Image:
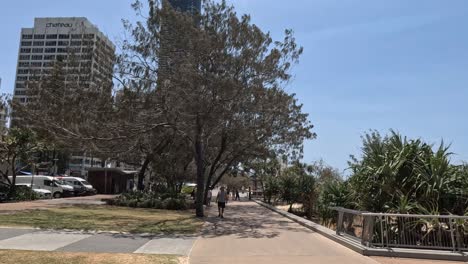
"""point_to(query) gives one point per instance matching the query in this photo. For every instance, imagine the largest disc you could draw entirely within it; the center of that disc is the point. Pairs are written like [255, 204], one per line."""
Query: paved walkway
[31, 239]
[250, 233]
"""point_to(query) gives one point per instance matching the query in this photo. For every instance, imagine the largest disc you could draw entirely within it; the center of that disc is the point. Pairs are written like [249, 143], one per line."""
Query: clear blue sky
[368, 64]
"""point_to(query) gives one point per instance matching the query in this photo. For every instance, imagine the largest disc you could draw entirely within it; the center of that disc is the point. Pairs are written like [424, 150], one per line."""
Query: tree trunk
[200, 171]
[141, 174]
[13, 177]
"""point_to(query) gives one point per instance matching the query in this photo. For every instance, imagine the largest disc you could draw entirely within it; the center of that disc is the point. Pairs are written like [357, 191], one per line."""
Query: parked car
[58, 189]
[80, 185]
[42, 193]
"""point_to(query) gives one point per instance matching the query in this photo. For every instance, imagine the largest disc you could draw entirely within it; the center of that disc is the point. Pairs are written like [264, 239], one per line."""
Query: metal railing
[442, 232]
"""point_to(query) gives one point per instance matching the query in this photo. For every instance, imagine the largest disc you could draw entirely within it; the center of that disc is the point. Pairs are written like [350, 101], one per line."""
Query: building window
[36, 64]
[24, 57]
[38, 43]
[37, 50]
[25, 50]
[20, 85]
[75, 43]
[22, 78]
[23, 64]
[26, 43]
[23, 71]
[35, 78]
[64, 36]
[88, 43]
[62, 50]
[49, 57]
[61, 57]
[22, 100]
[50, 50]
[20, 92]
[74, 50]
[39, 36]
[63, 43]
[27, 36]
[35, 71]
[86, 50]
[36, 57]
[51, 43]
[51, 37]
[88, 36]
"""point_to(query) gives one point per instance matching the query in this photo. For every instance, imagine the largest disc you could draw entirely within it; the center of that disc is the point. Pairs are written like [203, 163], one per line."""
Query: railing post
[381, 230]
[452, 234]
[368, 230]
[339, 223]
[386, 231]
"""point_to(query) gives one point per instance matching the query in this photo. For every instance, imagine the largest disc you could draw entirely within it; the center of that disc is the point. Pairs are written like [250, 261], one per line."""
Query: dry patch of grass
[106, 218]
[42, 257]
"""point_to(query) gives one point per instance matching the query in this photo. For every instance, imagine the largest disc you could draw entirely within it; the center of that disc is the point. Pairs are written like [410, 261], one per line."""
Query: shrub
[23, 193]
[138, 199]
[132, 203]
[174, 204]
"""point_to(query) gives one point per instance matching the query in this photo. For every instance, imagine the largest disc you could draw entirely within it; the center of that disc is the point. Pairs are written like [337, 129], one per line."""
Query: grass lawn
[106, 218]
[42, 257]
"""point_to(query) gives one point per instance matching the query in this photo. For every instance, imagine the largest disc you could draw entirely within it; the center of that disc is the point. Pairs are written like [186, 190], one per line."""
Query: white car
[58, 189]
[42, 193]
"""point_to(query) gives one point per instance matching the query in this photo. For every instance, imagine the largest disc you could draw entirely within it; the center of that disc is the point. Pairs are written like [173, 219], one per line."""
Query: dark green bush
[175, 204]
[23, 193]
[138, 199]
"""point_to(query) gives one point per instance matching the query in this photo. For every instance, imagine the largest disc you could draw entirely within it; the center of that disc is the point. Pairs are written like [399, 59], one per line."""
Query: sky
[367, 64]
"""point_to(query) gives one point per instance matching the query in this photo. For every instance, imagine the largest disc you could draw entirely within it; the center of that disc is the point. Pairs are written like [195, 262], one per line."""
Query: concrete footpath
[32, 239]
[250, 233]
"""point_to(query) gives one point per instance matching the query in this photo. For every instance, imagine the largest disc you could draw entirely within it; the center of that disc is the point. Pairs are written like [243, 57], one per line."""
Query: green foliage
[23, 193]
[17, 146]
[139, 199]
[271, 188]
[333, 193]
[187, 189]
[396, 174]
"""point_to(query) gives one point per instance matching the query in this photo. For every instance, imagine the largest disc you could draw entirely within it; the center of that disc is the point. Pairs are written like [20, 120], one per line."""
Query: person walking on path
[237, 195]
[221, 199]
[208, 198]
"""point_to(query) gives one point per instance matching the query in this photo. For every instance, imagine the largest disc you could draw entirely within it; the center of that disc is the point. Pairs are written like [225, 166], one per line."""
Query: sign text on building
[59, 25]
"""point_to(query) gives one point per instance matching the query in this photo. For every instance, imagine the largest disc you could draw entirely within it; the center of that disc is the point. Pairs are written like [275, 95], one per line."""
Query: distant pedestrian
[237, 195]
[208, 197]
[221, 199]
[192, 194]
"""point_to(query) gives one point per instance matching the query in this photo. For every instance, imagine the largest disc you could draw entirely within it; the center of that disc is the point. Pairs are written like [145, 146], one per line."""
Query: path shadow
[248, 220]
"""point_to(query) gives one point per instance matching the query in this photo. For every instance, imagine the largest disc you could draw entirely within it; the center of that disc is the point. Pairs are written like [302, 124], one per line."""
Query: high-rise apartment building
[61, 39]
[191, 6]
[87, 57]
